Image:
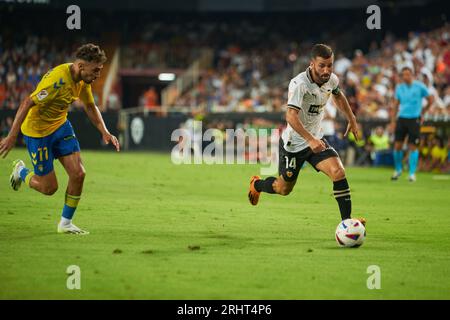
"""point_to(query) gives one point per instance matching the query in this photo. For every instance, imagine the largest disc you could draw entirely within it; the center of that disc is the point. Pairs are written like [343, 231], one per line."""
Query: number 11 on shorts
[43, 152]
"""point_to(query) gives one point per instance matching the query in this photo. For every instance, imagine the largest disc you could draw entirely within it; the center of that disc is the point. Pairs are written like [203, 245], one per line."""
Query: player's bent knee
[79, 175]
[338, 173]
[50, 190]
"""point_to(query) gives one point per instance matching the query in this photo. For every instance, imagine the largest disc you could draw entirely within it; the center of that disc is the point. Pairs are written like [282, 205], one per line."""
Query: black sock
[265, 185]
[341, 192]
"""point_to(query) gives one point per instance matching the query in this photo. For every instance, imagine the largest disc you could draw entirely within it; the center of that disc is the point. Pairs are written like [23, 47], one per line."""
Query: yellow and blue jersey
[410, 98]
[52, 98]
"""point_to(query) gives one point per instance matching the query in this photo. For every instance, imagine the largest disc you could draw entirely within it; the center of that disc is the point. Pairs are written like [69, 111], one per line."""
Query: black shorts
[289, 164]
[408, 127]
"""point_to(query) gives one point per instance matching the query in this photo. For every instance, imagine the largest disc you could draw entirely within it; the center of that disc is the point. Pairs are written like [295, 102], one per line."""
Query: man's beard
[324, 79]
[320, 77]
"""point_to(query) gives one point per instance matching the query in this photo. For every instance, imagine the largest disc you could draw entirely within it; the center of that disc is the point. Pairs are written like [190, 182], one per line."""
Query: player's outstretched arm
[8, 143]
[97, 120]
[343, 105]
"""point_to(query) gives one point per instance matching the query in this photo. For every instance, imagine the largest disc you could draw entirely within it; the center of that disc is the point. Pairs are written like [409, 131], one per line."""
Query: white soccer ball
[350, 233]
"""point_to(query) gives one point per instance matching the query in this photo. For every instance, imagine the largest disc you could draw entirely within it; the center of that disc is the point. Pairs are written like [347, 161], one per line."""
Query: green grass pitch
[162, 231]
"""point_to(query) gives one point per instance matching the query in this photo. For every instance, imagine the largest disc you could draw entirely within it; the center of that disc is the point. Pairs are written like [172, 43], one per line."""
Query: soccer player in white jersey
[302, 140]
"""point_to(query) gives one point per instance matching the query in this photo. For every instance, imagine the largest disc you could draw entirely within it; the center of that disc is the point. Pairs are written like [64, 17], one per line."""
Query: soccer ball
[350, 233]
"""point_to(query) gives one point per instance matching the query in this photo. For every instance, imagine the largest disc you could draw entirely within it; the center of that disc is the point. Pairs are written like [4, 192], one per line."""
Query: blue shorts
[43, 151]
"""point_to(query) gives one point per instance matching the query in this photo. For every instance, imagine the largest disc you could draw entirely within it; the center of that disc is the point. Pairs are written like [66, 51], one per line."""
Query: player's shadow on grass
[363, 247]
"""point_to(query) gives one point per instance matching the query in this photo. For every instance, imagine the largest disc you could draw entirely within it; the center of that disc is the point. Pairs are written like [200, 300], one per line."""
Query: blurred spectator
[439, 156]
[150, 98]
[357, 152]
[379, 147]
[113, 102]
[2, 92]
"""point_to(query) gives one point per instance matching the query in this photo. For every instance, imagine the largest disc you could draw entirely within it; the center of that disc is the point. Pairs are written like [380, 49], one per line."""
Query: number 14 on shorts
[290, 164]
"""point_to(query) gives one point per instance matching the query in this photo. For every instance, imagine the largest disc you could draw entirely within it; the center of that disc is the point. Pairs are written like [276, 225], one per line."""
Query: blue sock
[70, 205]
[398, 158]
[23, 173]
[413, 161]
[68, 212]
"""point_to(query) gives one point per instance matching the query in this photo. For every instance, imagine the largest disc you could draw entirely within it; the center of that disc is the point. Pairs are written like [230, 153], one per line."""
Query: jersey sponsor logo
[42, 95]
[314, 109]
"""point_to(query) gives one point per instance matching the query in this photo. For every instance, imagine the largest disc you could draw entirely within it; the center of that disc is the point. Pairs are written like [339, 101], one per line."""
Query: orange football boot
[362, 220]
[253, 195]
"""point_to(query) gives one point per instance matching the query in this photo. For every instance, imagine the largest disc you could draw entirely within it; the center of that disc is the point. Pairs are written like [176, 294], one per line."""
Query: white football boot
[14, 178]
[71, 229]
[396, 175]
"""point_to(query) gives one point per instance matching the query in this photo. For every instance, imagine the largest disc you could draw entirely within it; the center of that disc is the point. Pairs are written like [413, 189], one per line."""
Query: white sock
[65, 222]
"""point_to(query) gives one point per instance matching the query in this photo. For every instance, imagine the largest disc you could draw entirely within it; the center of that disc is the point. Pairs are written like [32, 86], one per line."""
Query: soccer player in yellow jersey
[42, 118]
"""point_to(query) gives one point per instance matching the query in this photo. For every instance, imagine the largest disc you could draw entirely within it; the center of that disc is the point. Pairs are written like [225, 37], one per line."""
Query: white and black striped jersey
[310, 99]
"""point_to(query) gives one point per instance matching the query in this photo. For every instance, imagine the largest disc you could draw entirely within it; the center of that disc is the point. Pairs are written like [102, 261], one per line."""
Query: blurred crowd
[23, 62]
[247, 74]
[243, 79]
[371, 78]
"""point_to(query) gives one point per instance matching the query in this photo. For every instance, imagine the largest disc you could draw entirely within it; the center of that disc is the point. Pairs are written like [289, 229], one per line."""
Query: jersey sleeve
[47, 89]
[335, 84]
[295, 95]
[86, 95]
[424, 90]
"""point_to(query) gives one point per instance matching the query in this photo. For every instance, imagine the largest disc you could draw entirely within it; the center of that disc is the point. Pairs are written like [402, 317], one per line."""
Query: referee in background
[409, 113]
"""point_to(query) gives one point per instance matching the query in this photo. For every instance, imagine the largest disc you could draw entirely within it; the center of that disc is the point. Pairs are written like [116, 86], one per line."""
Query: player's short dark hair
[321, 50]
[91, 53]
[407, 68]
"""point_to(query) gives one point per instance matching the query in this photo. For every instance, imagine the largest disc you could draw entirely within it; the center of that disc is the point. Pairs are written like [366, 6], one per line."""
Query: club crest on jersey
[41, 168]
[42, 95]
[289, 174]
